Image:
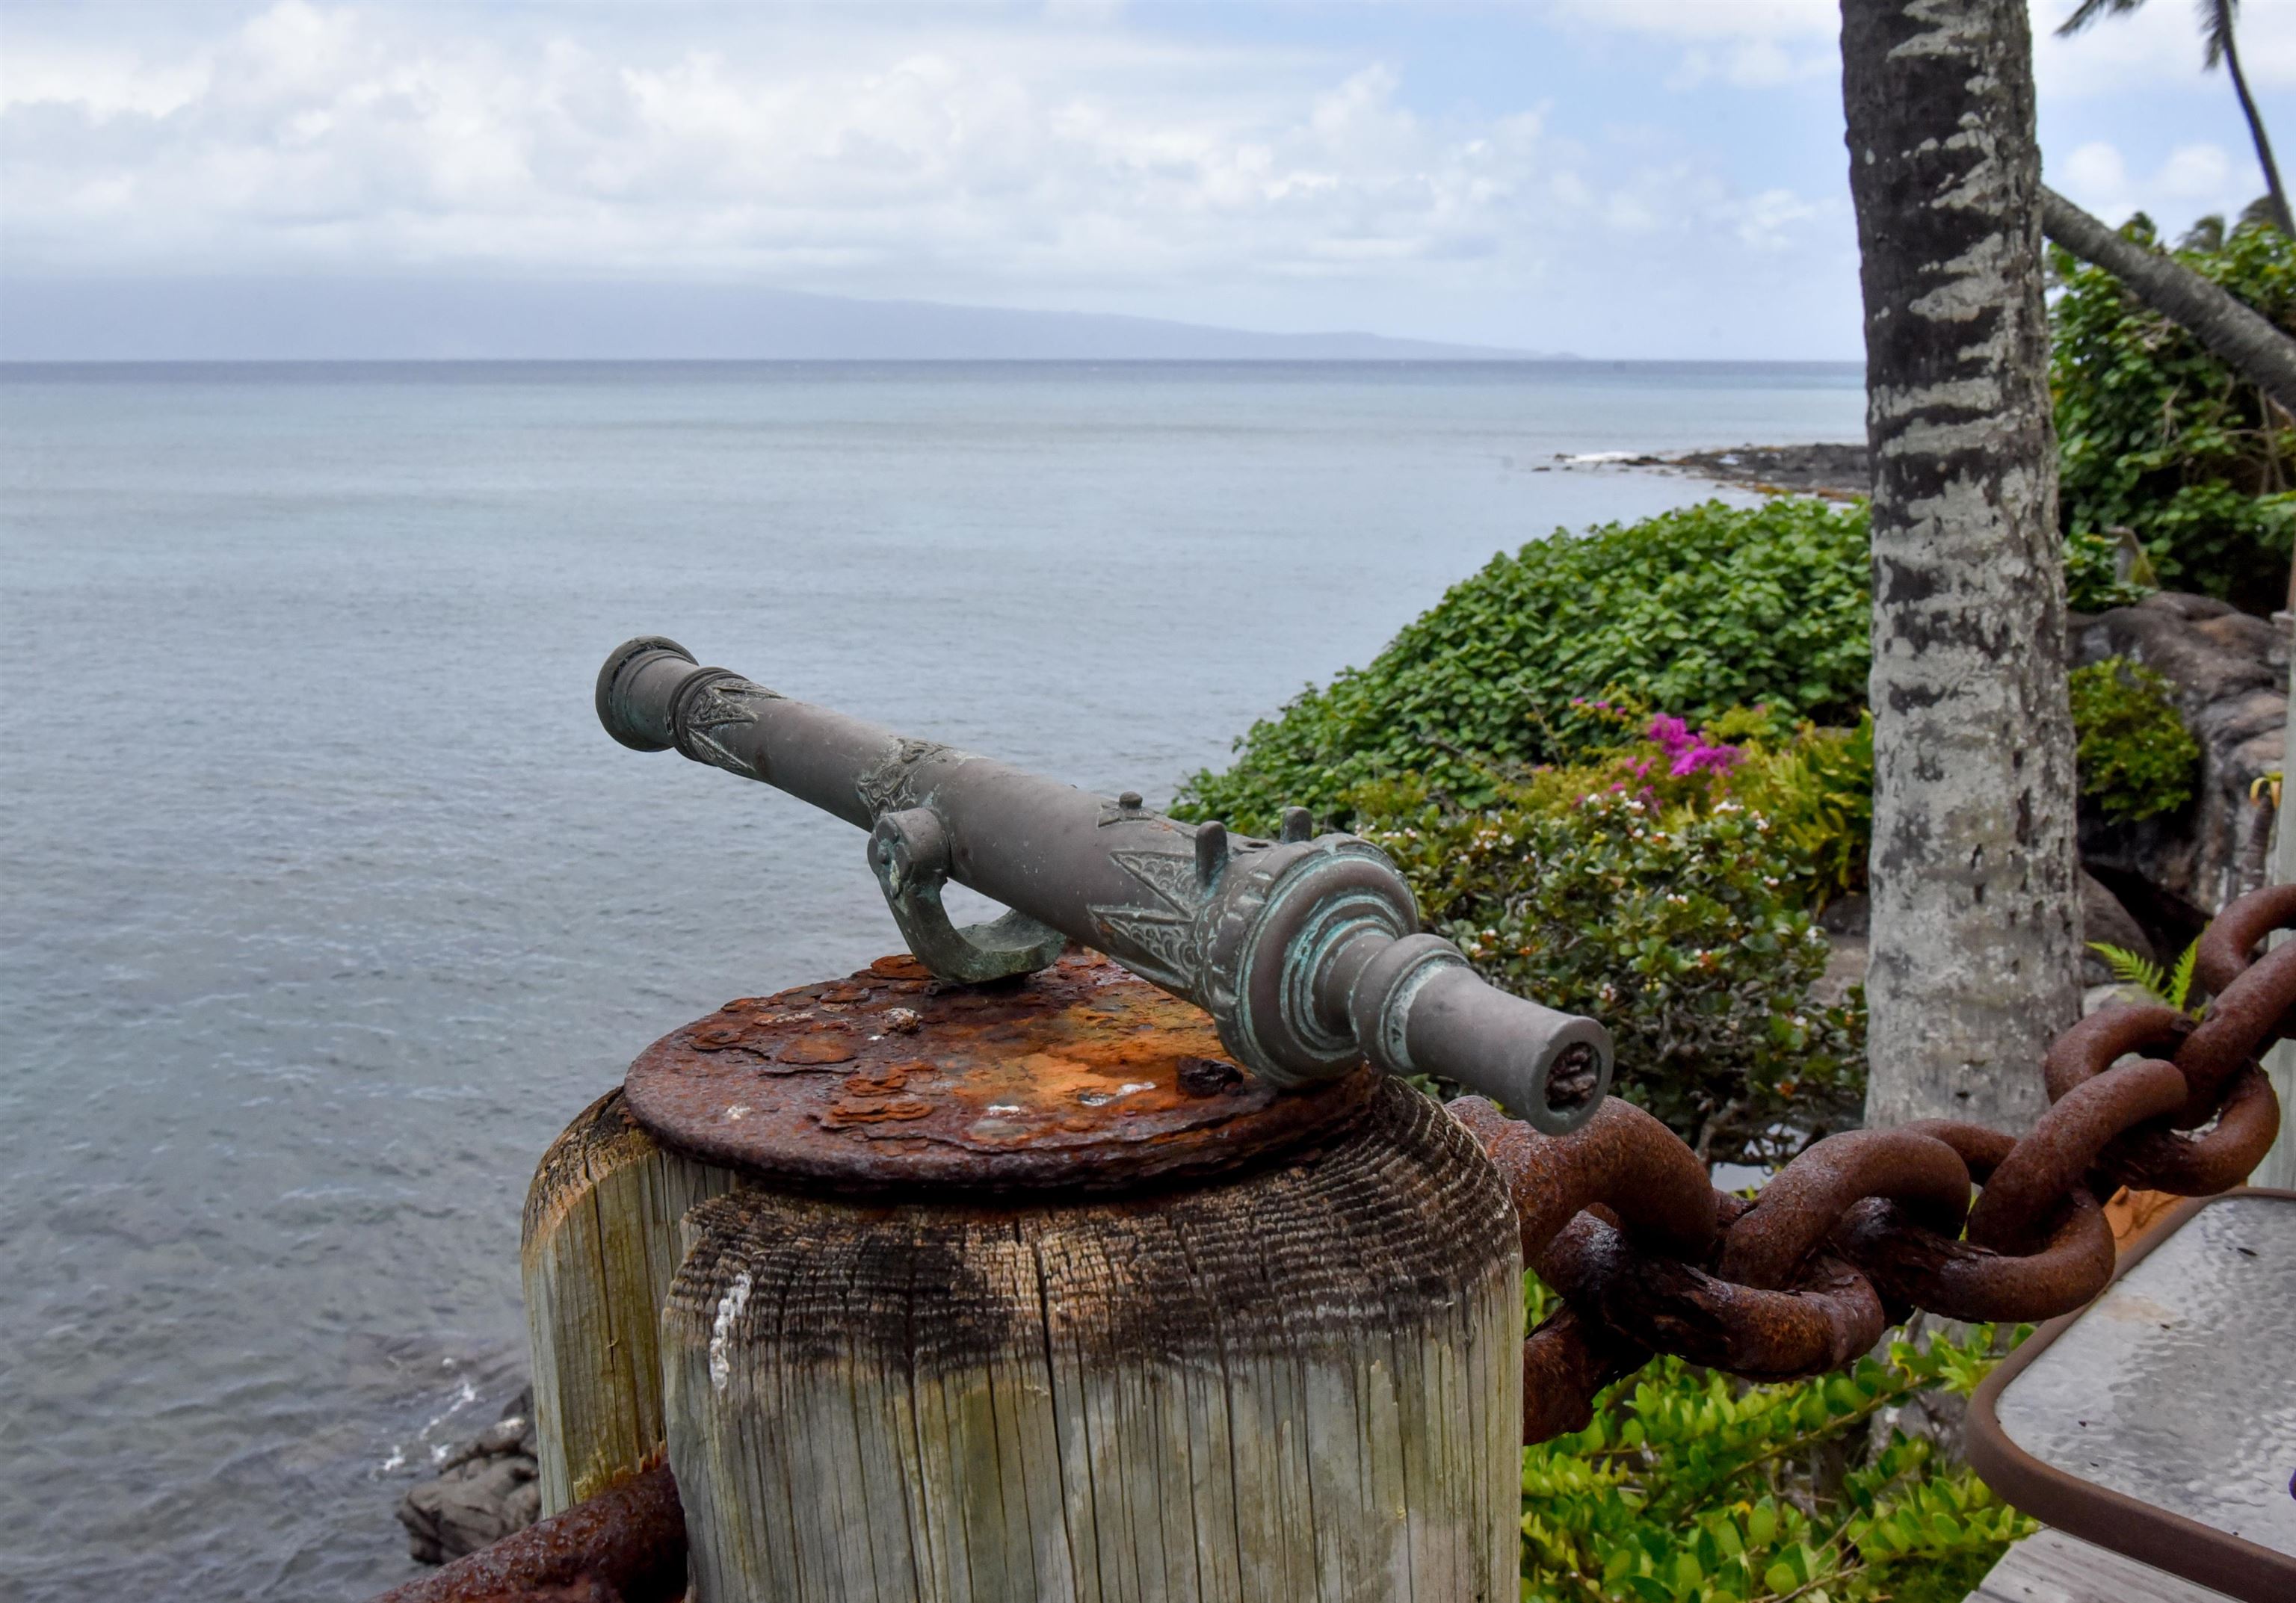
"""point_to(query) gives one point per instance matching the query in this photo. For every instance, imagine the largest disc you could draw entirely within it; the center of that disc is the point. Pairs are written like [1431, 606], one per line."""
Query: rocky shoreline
[1835, 471]
[482, 1492]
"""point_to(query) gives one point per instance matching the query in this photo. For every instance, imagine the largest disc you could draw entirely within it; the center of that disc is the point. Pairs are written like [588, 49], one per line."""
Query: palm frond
[2206, 234]
[2217, 16]
[2089, 10]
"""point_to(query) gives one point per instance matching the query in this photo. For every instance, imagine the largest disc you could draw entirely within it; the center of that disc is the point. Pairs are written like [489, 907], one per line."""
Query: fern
[2180, 977]
[2130, 970]
[2170, 988]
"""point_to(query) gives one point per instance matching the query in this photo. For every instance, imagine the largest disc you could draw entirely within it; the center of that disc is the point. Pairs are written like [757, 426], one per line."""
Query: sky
[1622, 178]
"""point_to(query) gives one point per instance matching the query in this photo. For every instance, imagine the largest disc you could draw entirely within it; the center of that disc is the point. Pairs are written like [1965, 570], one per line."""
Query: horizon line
[1557, 359]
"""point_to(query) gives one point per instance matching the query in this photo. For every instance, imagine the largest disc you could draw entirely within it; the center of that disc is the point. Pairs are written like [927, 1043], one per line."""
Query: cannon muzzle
[1305, 951]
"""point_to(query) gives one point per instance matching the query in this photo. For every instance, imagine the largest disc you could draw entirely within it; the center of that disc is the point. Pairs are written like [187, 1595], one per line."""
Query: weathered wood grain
[599, 1244]
[2050, 1566]
[1304, 1384]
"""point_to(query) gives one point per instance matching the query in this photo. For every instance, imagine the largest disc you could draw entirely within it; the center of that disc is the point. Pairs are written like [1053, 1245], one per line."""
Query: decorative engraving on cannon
[886, 788]
[1161, 926]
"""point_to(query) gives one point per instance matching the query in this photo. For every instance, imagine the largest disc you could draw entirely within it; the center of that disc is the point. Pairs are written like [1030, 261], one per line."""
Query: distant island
[379, 319]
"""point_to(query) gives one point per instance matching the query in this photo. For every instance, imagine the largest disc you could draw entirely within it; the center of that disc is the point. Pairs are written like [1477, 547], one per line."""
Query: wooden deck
[2053, 1567]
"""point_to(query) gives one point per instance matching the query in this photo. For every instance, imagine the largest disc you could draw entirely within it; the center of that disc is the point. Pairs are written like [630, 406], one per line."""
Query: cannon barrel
[1306, 951]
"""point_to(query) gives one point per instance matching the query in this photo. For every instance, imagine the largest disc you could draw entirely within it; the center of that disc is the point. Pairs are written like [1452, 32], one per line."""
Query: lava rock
[482, 1492]
[1837, 470]
[2171, 634]
[2104, 919]
[1852, 914]
[2227, 673]
[1847, 958]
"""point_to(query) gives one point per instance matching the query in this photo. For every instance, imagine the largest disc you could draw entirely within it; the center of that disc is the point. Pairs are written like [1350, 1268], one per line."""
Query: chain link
[1866, 1226]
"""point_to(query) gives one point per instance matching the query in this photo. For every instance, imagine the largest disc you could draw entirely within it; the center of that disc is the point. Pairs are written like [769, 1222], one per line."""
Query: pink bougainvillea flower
[1669, 732]
[1702, 758]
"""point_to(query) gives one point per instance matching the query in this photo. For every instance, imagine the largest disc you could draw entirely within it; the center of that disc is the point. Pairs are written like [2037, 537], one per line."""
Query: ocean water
[324, 903]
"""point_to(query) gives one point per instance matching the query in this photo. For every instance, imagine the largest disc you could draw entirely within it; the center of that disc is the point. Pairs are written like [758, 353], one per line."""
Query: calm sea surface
[327, 904]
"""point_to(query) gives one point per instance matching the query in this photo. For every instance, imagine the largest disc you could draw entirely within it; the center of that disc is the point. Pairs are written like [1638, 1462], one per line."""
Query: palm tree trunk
[2241, 337]
[1976, 933]
[2256, 131]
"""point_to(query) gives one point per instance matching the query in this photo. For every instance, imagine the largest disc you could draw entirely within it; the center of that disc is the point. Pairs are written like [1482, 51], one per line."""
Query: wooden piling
[1303, 1382]
[1025, 1293]
[600, 1243]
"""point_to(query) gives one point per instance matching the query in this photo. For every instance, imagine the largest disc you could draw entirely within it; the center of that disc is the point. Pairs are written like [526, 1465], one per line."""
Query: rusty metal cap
[1079, 1078]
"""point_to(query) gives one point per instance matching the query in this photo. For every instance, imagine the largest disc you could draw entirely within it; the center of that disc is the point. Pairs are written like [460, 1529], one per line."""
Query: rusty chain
[1866, 1226]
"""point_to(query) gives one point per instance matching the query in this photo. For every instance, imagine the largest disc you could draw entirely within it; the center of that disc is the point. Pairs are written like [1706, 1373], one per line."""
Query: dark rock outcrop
[1852, 914]
[484, 1491]
[1835, 470]
[2151, 886]
[2228, 674]
[2104, 919]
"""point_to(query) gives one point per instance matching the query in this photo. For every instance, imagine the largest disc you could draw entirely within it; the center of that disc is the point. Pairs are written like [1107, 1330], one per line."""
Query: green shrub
[1690, 1487]
[2136, 759]
[2093, 573]
[1658, 892]
[1698, 610]
[1818, 788]
[2158, 437]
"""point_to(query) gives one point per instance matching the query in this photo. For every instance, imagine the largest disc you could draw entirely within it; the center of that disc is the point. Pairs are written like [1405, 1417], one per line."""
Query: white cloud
[1710, 20]
[2193, 181]
[101, 83]
[2196, 172]
[1742, 44]
[1753, 65]
[1769, 221]
[1757, 45]
[960, 155]
[2095, 169]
